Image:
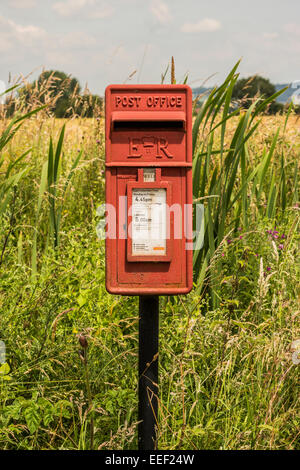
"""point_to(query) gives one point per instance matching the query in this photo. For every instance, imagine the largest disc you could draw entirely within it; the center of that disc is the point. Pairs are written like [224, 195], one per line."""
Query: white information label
[149, 226]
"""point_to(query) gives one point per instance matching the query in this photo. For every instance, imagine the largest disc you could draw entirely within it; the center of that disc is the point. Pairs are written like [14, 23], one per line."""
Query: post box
[148, 189]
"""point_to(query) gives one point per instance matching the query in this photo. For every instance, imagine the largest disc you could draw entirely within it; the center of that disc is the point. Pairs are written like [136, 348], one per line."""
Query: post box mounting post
[148, 371]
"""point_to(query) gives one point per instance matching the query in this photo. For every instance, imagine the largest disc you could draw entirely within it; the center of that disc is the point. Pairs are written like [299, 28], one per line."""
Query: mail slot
[148, 189]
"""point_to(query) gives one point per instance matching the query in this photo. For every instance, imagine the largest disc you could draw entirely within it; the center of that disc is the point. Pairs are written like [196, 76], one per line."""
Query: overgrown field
[229, 377]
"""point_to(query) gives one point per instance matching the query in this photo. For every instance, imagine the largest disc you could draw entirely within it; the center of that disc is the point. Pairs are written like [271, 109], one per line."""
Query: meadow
[229, 377]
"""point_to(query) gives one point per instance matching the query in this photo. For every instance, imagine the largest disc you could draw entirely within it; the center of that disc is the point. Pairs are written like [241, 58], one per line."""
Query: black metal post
[148, 371]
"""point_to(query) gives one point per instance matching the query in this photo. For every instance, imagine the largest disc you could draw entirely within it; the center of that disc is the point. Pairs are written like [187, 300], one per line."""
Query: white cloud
[70, 7]
[23, 3]
[205, 25]
[59, 59]
[161, 11]
[292, 28]
[117, 54]
[100, 13]
[77, 40]
[270, 35]
[88, 8]
[13, 31]
[29, 31]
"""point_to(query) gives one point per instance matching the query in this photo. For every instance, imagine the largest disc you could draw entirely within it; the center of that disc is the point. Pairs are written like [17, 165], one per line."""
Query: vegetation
[227, 378]
[61, 93]
[246, 90]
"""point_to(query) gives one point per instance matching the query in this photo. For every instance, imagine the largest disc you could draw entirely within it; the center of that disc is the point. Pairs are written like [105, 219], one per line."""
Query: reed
[225, 178]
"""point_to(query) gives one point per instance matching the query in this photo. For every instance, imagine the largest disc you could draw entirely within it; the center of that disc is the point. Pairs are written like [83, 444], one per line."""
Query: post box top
[148, 125]
[148, 97]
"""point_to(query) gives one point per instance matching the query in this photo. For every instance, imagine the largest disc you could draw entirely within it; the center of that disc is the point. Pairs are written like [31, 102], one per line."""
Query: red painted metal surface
[148, 126]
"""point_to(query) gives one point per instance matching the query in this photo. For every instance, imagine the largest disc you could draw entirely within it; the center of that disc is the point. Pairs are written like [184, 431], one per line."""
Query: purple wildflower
[273, 233]
[280, 247]
[268, 269]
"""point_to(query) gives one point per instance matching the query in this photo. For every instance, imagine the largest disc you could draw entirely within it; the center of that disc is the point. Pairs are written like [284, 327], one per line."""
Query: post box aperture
[148, 189]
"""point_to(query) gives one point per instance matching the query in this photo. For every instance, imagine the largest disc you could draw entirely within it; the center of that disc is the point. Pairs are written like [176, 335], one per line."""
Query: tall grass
[223, 174]
[50, 179]
[227, 380]
[14, 169]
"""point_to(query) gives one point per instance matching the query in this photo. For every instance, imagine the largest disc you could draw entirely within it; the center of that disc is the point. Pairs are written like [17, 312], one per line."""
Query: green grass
[227, 380]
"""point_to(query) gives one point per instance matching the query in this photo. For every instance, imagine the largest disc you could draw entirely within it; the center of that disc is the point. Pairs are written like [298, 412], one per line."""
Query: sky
[131, 41]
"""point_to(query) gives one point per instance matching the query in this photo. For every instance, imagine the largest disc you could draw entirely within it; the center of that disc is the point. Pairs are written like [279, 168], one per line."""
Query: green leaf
[32, 417]
[63, 408]
[81, 300]
[47, 409]
[58, 154]
[272, 198]
[4, 369]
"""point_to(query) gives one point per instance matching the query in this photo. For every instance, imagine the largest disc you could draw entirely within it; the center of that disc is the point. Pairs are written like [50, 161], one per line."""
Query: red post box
[148, 189]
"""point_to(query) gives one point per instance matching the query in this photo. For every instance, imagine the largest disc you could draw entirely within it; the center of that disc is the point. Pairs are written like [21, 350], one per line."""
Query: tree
[246, 90]
[88, 105]
[62, 88]
[60, 92]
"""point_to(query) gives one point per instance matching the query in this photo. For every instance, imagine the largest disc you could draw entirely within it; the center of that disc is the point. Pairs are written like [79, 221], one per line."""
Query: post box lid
[157, 114]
